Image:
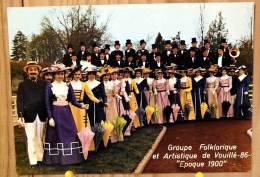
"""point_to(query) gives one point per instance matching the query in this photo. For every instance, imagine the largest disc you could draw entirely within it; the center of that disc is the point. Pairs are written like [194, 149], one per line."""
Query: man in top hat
[222, 60]
[205, 61]
[32, 110]
[143, 45]
[117, 51]
[167, 51]
[157, 64]
[143, 63]
[81, 55]
[46, 75]
[151, 56]
[67, 56]
[94, 54]
[174, 56]
[194, 44]
[129, 62]
[182, 52]
[226, 50]
[211, 53]
[107, 54]
[192, 60]
[129, 48]
[118, 61]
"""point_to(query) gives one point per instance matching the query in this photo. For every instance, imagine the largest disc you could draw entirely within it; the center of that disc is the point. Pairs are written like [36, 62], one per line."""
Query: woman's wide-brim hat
[138, 69]
[105, 70]
[59, 67]
[146, 70]
[44, 71]
[76, 68]
[31, 64]
[182, 69]
[92, 68]
[212, 69]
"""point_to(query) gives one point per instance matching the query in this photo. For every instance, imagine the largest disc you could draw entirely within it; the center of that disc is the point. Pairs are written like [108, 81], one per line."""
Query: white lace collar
[60, 90]
[76, 85]
[139, 80]
[184, 79]
[198, 78]
[93, 84]
[241, 77]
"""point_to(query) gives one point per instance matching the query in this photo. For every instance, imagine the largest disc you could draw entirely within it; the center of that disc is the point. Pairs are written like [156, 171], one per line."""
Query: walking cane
[25, 138]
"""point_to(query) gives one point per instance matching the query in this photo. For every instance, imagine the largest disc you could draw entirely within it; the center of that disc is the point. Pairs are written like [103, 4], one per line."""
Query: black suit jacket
[113, 54]
[205, 63]
[173, 58]
[31, 100]
[154, 65]
[131, 65]
[140, 64]
[132, 51]
[165, 56]
[67, 60]
[114, 63]
[94, 58]
[82, 57]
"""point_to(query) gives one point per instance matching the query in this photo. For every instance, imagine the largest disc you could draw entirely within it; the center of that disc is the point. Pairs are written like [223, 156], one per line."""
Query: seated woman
[62, 145]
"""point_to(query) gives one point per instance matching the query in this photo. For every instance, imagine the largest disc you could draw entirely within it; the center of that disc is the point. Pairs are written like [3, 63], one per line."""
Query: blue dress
[198, 96]
[242, 87]
[96, 112]
[141, 96]
[62, 145]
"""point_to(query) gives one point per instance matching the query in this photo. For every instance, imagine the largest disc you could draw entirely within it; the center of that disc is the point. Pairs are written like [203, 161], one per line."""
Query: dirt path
[231, 132]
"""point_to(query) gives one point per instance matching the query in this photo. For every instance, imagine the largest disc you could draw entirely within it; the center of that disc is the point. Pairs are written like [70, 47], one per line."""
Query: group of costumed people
[83, 106]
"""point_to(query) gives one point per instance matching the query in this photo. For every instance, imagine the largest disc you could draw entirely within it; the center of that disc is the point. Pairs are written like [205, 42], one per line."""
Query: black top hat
[82, 43]
[154, 46]
[221, 47]
[70, 46]
[129, 54]
[107, 46]
[143, 53]
[182, 42]
[142, 41]
[128, 41]
[206, 41]
[158, 54]
[203, 49]
[223, 40]
[174, 46]
[94, 44]
[192, 49]
[167, 42]
[102, 51]
[117, 43]
[193, 40]
[73, 54]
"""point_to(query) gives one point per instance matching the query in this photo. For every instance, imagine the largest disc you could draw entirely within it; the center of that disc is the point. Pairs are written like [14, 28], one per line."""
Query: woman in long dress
[148, 93]
[198, 87]
[174, 87]
[62, 145]
[80, 88]
[96, 112]
[132, 90]
[141, 98]
[211, 90]
[161, 92]
[225, 85]
[242, 93]
[185, 94]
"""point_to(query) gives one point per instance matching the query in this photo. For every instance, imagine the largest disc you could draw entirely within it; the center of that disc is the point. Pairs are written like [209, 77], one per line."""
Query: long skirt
[62, 145]
[213, 99]
[162, 101]
[187, 98]
[225, 96]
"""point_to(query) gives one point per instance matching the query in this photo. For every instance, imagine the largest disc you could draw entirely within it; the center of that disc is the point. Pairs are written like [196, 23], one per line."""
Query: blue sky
[137, 21]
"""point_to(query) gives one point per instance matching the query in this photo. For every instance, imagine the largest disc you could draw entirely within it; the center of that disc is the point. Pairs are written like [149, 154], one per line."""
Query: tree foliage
[19, 50]
[159, 41]
[177, 38]
[217, 30]
[202, 25]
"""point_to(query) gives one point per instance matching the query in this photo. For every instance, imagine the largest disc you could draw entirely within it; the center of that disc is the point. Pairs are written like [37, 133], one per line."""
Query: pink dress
[225, 85]
[161, 91]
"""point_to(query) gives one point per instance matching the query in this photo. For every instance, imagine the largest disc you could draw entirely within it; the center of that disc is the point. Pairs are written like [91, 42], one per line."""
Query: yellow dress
[187, 97]
[133, 103]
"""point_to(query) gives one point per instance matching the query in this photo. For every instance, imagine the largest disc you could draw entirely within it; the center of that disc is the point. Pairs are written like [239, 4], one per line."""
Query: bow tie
[220, 56]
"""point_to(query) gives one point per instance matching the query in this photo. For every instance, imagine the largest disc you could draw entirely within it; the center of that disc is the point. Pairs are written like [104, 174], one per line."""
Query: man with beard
[46, 75]
[67, 56]
[32, 110]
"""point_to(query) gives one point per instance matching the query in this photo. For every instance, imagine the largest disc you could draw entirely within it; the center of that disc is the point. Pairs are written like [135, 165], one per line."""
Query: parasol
[245, 108]
[214, 108]
[128, 123]
[119, 124]
[140, 112]
[109, 127]
[203, 108]
[99, 131]
[187, 108]
[225, 106]
[86, 137]
[175, 108]
[149, 110]
[167, 112]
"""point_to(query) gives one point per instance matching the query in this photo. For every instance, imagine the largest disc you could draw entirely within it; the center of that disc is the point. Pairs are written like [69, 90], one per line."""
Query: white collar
[93, 84]
[198, 78]
[184, 79]
[139, 80]
[241, 77]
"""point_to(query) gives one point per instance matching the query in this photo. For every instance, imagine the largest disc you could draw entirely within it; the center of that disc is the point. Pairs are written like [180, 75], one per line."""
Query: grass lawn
[121, 157]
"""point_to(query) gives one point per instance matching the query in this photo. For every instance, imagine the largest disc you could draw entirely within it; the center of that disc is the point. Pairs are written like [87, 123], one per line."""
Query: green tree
[159, 41]
[19, 50]
[217, 30]
[177, 38]
[76, 24]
